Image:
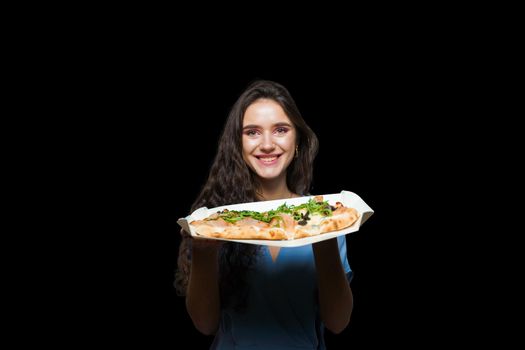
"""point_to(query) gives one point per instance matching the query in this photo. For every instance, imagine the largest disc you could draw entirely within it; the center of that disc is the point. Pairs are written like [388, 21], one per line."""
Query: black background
[157, 129]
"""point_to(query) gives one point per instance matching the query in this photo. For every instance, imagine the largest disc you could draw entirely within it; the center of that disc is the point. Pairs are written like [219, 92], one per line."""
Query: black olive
[302, 222]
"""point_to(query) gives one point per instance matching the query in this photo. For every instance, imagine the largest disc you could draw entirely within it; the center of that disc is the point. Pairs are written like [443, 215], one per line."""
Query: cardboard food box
[349, 199]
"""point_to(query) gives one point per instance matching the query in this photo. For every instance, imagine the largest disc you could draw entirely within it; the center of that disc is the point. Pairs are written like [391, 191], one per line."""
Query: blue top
[282, 308]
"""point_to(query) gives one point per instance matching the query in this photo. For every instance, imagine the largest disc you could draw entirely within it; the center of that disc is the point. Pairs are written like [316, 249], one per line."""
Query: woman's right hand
[202, 293]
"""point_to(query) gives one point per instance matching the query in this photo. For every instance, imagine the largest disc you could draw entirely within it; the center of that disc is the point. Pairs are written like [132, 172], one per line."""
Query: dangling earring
[296, 151]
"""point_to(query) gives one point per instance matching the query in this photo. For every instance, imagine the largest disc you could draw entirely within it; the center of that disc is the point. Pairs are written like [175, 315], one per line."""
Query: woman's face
[268, 139]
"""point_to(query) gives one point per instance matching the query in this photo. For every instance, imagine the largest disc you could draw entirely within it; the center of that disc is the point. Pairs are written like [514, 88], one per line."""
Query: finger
[184, 233]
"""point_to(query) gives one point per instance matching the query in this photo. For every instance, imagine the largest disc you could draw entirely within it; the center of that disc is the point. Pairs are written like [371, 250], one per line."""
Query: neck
[274, 189]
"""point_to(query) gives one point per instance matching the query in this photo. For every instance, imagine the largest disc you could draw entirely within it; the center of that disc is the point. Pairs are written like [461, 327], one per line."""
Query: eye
[251, 132]
[281, 130]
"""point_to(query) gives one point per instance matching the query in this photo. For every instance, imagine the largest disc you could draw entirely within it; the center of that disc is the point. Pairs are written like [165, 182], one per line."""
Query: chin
[268, 174]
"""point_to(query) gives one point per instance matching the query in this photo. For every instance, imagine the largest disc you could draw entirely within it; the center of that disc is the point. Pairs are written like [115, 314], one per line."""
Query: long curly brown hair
[231, 181]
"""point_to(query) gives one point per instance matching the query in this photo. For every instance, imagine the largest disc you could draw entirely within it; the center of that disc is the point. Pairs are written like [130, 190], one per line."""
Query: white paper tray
[349, 199]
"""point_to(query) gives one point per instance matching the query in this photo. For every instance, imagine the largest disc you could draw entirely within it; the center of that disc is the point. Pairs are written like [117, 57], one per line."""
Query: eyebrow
[253, 126]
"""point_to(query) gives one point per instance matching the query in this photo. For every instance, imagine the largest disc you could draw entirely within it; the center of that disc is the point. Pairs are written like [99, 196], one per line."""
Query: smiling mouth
[268, 158]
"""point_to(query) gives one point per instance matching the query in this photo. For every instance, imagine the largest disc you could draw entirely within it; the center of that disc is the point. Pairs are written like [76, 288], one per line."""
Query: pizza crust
[342, 218]
[247, 232]
[221, 229]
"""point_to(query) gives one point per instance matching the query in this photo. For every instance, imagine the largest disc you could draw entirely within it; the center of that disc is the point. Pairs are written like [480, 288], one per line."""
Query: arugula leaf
[299, 212]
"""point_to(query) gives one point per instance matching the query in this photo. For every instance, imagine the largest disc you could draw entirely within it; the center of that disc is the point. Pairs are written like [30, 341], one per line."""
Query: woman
[257, 296]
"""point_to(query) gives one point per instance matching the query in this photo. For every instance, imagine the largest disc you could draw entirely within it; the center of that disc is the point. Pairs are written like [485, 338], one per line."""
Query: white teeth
[268, 159]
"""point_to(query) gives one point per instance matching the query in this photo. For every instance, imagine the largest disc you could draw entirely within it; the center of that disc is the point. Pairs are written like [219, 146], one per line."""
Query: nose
[267, 144]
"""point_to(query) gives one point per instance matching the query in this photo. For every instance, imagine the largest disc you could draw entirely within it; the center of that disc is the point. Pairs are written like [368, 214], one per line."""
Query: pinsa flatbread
[286, 222]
